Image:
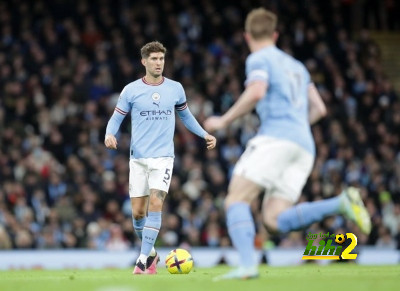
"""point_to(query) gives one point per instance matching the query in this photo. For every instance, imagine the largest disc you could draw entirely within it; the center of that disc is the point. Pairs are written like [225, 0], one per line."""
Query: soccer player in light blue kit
[151, 101]
[281, 156]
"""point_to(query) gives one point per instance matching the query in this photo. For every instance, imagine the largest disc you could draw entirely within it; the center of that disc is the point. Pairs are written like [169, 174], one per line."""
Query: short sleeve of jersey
[256, 69]
[181, 104]
[123, 105]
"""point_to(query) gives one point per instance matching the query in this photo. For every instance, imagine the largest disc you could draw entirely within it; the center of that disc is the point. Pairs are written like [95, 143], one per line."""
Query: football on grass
[179, 261]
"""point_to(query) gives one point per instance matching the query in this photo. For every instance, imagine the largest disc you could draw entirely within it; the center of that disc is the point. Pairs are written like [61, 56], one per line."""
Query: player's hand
[110, 141]
[214, 123]
[211, 141]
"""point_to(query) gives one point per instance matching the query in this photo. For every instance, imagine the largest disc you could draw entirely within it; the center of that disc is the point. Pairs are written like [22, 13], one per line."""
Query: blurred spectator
[385, 239]
[116, 241]
[5, 240]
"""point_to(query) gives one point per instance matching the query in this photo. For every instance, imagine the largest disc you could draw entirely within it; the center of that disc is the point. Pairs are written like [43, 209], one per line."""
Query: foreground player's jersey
[283, 111]
[152, 109]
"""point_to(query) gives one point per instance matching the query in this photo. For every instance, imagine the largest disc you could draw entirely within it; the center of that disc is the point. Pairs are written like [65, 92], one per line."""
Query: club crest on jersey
[156, 96]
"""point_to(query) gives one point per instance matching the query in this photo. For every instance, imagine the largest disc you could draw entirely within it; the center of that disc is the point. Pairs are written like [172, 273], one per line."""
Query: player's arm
[247, 101]
[316, 108]
[191, 123]
[253, 93]
[121, 110]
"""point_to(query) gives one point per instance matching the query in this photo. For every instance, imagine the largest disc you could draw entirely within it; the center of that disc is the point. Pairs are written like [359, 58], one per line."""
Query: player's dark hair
[152, 47]
[261, 23]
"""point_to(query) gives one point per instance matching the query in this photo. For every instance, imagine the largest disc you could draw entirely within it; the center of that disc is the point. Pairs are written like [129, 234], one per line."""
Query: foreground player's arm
[253, 93]
[115, 121]
[191, 123]
[317, 108]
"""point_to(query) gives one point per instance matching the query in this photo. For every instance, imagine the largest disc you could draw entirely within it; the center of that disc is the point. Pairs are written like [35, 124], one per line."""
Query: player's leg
[244, 187]
[278, 213]
[353, 208]
[139, 195]
[139, 215]
[280, 216]
[151, 229]
[160, 171]
[272, 207]
[139, 211]
[240, 223]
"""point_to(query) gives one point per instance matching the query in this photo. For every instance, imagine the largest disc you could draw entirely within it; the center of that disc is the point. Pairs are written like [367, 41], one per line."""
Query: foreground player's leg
[304, 214]
[300, 216]
[353, 208]
[242, 232]
[241, 227]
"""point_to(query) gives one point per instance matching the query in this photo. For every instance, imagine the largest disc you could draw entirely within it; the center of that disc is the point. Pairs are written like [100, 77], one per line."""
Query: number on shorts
[167, 176]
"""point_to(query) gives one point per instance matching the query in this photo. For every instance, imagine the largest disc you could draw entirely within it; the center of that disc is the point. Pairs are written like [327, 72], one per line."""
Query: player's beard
[156, 74]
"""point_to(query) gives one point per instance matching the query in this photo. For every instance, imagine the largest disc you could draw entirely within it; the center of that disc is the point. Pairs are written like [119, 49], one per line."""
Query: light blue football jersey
[152, 108]
[283, 112]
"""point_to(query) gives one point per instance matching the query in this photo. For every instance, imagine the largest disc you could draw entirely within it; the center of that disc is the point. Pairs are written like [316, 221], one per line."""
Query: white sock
[153, 252]
[142, 258]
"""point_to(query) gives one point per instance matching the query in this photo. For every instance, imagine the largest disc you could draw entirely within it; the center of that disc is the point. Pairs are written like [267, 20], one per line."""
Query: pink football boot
[152, 263]
[140, 268]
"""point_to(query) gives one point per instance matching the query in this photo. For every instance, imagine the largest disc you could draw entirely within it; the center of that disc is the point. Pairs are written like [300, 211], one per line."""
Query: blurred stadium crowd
[63, 64]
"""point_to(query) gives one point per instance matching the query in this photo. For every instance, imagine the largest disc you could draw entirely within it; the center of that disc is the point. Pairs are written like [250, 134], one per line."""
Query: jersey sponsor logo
[156, 118]
[156, 113]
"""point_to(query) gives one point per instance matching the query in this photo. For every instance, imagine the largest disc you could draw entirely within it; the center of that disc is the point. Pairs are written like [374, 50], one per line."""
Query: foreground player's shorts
[280, 166]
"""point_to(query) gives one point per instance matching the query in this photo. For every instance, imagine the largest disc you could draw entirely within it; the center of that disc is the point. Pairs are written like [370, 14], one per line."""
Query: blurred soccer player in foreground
[152, 101]
[281, 156]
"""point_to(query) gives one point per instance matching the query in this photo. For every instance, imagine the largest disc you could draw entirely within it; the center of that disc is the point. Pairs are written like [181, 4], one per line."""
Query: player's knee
[139, 214]
[227, 203]
[156, 200]
[230, 200]
[155, 204]
[271, 224]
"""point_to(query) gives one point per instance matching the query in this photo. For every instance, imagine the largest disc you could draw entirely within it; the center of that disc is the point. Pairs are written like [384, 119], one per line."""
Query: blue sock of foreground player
[304, 214]
[150, 233]
[242, 232]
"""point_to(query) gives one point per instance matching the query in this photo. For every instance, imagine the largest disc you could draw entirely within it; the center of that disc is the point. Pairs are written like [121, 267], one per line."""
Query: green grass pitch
[338, 277]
